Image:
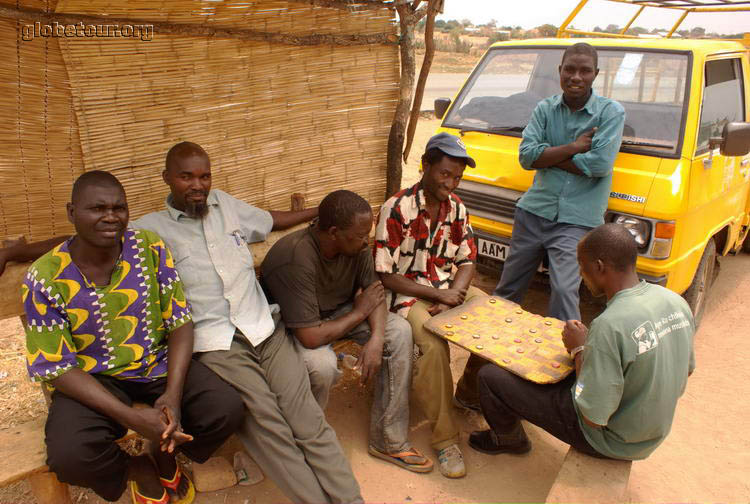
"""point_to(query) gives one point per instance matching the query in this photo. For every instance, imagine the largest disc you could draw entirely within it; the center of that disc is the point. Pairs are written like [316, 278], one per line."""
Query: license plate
[493, 249]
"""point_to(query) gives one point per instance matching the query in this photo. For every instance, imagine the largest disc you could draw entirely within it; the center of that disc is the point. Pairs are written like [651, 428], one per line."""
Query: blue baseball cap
[451, 145]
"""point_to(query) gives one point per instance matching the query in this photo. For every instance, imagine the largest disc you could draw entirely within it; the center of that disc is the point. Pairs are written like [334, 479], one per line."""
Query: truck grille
[489, 202]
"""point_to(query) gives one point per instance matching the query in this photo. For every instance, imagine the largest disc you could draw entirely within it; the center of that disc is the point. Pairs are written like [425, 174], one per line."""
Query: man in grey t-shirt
[314, 274]
[632, 366]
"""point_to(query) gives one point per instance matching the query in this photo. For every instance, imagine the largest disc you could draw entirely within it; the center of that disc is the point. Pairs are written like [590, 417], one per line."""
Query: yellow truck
[682, 177]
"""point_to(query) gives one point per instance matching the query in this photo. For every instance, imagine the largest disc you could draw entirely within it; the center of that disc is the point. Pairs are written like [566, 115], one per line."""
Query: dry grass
[449, 62]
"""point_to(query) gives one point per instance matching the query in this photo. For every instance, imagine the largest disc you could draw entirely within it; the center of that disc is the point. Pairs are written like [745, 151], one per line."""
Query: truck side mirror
[735, 139]
[441, 105]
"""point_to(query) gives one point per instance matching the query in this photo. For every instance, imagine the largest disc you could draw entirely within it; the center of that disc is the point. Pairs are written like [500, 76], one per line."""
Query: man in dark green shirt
[632, 366]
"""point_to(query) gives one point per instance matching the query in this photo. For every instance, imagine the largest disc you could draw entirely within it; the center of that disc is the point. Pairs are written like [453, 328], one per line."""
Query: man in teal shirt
[632, 366]
[571, 141]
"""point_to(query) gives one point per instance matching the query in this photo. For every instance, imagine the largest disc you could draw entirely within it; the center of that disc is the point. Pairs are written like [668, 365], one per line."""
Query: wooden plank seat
[583, 479]
[23, 455]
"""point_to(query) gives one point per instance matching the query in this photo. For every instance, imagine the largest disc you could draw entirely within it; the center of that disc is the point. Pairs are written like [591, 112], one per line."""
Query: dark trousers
[507, 398]
[532, 237]
[81, 446]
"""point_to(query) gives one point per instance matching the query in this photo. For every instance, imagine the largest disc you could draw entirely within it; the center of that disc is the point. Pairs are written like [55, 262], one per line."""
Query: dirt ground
[706, 458]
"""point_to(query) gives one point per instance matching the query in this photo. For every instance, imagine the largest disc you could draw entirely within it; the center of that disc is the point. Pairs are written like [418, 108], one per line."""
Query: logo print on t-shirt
[645, 337]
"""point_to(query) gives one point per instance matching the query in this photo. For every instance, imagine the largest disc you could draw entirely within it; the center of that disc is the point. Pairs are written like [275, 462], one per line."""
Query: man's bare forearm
[552, 156]
[569, 166]
[377, 320]
[329, 330]
[285, 220]
[402, 285]
[464, 276]
[87, 390]
[180, 349]
[25, 252]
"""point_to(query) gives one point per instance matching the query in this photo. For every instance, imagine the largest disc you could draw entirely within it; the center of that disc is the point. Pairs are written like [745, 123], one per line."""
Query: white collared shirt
[217, 269]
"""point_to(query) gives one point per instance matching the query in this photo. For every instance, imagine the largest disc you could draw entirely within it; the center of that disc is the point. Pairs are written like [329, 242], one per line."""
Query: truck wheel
[696, 294]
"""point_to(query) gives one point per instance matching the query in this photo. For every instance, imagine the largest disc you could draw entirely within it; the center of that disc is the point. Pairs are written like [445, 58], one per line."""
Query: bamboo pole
[349, 4]
[433, 8]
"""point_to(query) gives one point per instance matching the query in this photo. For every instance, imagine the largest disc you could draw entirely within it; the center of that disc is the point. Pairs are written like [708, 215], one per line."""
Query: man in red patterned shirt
[423, 233]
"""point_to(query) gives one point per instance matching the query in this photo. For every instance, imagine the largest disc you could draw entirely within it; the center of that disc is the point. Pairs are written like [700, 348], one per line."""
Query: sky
[531, 13]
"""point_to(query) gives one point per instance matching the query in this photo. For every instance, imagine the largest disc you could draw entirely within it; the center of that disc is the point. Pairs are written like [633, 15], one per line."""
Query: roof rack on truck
[686, 6]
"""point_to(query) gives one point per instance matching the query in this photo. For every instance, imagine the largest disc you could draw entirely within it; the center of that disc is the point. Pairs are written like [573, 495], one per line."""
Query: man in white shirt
[240, 337]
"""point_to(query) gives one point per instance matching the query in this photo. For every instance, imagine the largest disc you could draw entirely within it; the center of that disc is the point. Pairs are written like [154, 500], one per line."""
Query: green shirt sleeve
[50, 349]
[600, 383]
[534, 139]
[605, 144]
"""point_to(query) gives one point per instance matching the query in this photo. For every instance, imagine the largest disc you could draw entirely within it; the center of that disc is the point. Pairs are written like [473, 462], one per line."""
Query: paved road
[441, 85]
[446, 85]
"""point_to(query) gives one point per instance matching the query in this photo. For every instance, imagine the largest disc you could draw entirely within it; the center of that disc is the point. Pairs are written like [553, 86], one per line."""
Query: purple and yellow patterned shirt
[118, 330]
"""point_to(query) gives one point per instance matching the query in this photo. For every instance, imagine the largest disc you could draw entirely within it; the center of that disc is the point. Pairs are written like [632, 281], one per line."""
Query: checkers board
[525, 344]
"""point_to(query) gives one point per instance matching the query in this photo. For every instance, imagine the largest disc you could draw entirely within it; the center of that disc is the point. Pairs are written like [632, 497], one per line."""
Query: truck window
[509, 82]
[722, 99]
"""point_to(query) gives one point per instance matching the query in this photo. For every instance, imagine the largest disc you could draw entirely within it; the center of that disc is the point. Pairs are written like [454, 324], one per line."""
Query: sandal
[138, 498]
[171, 486]
[411, 460]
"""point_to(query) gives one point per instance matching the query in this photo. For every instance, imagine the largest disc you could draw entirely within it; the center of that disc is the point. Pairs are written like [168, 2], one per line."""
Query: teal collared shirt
[560, 196]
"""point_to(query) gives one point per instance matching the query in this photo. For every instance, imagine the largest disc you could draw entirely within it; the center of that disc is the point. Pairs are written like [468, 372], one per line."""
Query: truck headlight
[653, 237]
[640, 229]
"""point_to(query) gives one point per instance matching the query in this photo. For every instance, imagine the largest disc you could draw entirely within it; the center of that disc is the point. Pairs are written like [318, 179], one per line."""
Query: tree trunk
[429, 53]
[398, 127]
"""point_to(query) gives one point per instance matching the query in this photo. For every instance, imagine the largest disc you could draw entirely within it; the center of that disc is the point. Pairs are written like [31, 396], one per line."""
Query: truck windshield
[507, 85]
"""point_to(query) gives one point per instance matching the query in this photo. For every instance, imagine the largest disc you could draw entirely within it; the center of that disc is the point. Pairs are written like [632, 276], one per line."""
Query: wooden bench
[583, 479]
[23, 453]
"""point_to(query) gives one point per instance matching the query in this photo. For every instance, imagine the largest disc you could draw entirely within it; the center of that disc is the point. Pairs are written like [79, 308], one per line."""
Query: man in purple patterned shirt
[108, 324]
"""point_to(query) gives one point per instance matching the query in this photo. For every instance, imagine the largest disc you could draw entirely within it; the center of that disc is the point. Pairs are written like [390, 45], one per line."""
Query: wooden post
[433, 8]
[409, 16]
[48, 490]
[298, 202]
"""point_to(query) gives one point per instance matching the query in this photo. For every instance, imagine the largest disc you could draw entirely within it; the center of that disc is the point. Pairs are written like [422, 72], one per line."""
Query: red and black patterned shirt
[404, 244]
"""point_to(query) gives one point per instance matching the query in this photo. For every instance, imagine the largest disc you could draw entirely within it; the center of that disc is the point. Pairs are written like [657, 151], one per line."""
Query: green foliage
[447, 26]
[547, 30]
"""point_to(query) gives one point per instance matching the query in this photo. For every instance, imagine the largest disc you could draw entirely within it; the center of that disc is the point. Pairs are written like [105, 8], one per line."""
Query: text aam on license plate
[493, 249]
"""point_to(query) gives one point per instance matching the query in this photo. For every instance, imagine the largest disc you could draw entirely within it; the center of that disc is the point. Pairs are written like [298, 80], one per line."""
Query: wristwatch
[576, 351]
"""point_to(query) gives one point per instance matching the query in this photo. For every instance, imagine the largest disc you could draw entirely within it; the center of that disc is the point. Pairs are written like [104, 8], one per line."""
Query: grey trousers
[532, 236]
[389, 418]
[284, 429]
